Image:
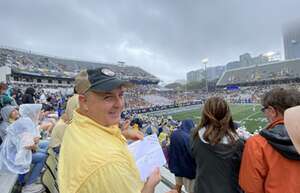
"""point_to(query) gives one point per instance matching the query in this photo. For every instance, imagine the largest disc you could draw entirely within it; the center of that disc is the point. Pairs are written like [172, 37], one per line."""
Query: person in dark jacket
[181, 163]
[217, 149]
[17, 96]
[28, 96]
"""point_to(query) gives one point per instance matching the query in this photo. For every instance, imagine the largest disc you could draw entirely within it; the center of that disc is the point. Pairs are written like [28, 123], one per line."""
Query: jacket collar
[85, 122]
[274, 123]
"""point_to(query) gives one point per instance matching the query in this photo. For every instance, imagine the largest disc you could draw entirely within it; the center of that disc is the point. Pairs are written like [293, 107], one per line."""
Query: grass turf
[248, 115]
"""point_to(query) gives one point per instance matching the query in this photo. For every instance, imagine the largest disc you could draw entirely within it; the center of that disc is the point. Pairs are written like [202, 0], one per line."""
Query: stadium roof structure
[38, 74]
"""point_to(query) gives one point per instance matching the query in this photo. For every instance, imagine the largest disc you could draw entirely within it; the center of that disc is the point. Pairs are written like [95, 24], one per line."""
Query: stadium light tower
[269, 55]
[205, 61]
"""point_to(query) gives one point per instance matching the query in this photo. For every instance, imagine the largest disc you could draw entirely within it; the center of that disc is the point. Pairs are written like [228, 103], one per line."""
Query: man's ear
[82, 99]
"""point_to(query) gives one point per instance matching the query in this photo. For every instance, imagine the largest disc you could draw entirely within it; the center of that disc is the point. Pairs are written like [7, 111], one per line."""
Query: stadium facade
[23, 77]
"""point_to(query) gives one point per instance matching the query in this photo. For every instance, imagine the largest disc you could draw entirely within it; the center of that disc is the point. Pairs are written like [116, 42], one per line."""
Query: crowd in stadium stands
[150, 96]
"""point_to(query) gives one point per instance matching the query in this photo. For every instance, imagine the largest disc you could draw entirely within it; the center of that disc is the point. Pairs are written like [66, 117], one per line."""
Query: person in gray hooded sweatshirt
[9, 114]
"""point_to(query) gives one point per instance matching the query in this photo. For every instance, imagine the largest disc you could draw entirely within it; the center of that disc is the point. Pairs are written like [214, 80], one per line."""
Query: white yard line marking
[255, 113]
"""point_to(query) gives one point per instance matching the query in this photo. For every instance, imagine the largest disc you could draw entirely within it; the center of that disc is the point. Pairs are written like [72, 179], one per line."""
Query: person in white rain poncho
[33, 112]
[20, 148]
[16, 154]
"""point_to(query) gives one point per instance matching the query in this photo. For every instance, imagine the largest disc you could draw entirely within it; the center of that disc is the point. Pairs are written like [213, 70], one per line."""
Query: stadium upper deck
[288, 70]
[22, 62]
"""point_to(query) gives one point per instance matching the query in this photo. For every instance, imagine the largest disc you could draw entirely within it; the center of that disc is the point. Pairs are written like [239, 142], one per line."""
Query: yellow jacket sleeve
[112, 178]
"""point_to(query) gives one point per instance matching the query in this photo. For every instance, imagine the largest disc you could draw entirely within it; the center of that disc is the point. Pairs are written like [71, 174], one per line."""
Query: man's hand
[31, 147]
[133, 135]
[152, 181]
[125, 125]
[130, 134]
[154, 178]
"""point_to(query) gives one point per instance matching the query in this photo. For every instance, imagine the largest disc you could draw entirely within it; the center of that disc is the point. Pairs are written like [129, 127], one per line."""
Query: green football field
[248, 115]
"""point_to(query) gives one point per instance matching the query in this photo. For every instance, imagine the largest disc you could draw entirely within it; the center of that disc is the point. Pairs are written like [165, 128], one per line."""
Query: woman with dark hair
[217, 149]
[28, 96]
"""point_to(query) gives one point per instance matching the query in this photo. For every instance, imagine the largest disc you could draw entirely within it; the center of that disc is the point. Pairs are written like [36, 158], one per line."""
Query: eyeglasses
[263, 109]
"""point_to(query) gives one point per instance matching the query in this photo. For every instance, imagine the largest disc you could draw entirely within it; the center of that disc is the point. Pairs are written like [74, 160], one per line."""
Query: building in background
[213, 73]
[247, 60]
[291, 40]
[194, 76]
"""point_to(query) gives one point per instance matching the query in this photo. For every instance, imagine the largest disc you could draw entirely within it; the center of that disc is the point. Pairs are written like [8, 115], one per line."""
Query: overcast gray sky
[165, 37]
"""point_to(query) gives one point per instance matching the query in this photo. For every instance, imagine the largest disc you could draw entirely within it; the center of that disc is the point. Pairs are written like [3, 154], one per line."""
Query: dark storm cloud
[167, 38]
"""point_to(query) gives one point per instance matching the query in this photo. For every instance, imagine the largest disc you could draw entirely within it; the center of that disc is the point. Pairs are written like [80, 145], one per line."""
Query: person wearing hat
[94, 157]
[59, 128]
[9, 114]
[292, 123]
[270, 162]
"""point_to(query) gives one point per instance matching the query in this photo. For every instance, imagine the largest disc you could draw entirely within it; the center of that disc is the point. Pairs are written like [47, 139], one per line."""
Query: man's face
[103, 107]
[270, 113]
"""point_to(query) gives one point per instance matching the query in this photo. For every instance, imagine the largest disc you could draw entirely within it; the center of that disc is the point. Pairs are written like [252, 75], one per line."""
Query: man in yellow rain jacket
[94, 157]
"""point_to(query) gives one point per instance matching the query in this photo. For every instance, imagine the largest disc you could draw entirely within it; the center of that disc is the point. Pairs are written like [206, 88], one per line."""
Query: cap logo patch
[107, 72]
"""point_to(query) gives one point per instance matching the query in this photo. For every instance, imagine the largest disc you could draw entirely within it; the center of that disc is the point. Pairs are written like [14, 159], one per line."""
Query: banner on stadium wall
[232, 87]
